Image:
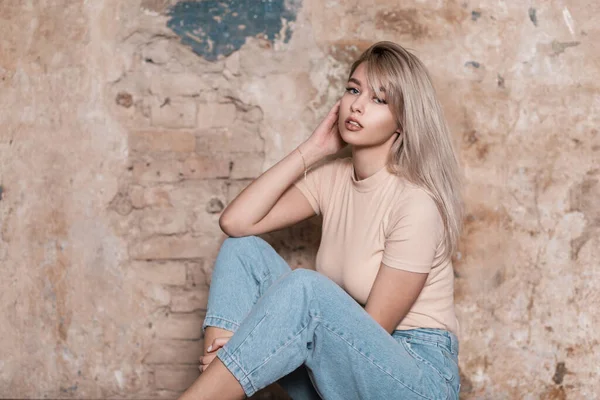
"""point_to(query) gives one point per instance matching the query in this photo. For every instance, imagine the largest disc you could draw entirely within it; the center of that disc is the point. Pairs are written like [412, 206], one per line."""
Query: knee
[238, 244]
[303, 276]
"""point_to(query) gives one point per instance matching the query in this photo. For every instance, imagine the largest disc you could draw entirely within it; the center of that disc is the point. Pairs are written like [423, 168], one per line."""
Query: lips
[350, 119]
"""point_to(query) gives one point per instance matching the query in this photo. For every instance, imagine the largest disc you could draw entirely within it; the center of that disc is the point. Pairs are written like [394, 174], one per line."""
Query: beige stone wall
[120, 147]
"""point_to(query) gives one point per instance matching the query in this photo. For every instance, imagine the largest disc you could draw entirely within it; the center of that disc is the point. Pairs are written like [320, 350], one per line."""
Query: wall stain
[217, 28]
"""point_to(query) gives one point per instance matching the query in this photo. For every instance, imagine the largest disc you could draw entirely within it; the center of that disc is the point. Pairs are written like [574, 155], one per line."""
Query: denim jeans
[300, 329]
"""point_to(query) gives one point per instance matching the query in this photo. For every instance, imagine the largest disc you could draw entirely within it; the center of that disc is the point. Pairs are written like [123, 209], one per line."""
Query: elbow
[228, 228]
[224, 226]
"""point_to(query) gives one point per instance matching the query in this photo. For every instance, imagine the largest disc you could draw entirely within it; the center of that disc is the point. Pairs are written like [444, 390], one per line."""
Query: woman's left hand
[212, 353]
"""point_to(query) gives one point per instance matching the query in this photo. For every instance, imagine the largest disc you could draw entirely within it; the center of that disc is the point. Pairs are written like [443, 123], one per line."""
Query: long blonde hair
[423, 152]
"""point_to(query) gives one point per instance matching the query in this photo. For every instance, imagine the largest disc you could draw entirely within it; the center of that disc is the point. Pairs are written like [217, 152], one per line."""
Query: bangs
[382, 77]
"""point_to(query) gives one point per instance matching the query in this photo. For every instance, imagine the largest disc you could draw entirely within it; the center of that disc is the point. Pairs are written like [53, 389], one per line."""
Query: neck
[368, 160]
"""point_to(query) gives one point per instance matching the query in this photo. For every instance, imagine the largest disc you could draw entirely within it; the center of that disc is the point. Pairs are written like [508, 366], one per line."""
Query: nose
[357, 105]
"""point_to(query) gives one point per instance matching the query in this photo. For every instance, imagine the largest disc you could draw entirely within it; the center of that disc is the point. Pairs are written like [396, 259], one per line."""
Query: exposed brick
[174, 248]
[174, 114]
[189, 300]
[168, 84]
[155, 141]
[204, 223]
[166, 221]
[157, 293]
[199, 273]
[167, 273]
[196, 195]
[169, 351]
[175, 378]
[206, 166]
[254, 114]
[242, 137]
[235, 188]
[246, 165]
[180, 326]
[158, 171]
[149, 197]
[211, 115]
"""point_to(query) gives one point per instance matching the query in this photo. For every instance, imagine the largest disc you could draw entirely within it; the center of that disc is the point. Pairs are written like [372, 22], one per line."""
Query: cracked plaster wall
[121, 146]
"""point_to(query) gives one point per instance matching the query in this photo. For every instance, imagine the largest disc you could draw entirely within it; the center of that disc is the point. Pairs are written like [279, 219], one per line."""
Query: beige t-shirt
[382, 218]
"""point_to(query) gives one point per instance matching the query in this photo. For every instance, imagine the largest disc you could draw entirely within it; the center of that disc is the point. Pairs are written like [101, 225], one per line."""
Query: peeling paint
[216, 28]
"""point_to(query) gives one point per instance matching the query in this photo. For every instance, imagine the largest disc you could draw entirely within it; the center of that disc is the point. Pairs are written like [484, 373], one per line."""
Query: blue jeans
[300, 329]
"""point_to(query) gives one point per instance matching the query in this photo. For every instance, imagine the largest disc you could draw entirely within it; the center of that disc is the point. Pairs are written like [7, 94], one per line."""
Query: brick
[157, 171]
[167, 273]
[204, 223]
[173, 248]
[175, 378]
[246, 165]
[239, 138]
[206, 166]
[156, 141]
[174, 114]
[179, 326]
[170, 351]
[254, 114]
[157, 294]
[142, 197]
[212, 115]
[189, 300]
[235, 188]
[199, 273]
[166, 221]
[195, 195]
[166, 84]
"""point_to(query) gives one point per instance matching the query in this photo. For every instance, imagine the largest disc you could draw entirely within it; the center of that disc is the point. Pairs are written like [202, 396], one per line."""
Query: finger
[217, 343]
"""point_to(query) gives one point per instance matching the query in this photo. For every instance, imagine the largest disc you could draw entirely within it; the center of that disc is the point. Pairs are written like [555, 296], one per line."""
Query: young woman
[376, 319]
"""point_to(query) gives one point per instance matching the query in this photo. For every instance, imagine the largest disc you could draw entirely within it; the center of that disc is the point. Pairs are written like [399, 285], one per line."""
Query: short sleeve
[317, 185]
[416, 231]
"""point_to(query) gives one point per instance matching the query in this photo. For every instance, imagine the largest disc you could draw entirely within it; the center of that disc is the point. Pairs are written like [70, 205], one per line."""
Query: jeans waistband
[440, 336]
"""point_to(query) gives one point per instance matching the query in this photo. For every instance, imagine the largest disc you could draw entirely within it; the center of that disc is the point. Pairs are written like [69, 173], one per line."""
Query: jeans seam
[232, 359]
[373, 363]
[252, 331]
[441, 345]
[286, 344]
[421, 359]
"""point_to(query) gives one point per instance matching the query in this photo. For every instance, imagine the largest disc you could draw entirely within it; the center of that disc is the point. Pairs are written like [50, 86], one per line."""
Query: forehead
[360, 72]
[362, 76]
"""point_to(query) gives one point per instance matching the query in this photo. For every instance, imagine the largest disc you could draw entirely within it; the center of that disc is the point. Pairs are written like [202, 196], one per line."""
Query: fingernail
[209, 348]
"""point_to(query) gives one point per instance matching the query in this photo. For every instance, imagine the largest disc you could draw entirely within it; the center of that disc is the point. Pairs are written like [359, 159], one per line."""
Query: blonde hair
[423, 152]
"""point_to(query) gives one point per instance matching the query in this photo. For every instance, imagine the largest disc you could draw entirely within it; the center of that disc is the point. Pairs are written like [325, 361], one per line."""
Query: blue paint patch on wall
[212, 28]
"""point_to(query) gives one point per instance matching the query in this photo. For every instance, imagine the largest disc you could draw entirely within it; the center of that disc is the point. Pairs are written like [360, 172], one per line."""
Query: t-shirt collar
[371, 182]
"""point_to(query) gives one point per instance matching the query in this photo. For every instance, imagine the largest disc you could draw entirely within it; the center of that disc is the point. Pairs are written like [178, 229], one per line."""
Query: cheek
[386, 124]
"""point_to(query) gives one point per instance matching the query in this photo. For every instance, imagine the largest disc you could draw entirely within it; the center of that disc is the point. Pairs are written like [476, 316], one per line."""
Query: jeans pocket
[432, 355]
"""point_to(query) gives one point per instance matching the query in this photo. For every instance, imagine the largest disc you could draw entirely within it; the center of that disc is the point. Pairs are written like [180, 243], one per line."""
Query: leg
[305, 318]
[244, 269]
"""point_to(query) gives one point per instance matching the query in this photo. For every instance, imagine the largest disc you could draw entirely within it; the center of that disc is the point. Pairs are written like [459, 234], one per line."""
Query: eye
[379, 101]
[350, 90]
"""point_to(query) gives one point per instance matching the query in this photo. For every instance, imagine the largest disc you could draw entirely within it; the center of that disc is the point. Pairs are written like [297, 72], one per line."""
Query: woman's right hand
[326, 137]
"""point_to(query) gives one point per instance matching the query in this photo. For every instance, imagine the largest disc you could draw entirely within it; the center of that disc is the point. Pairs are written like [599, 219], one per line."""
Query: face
[376, 123]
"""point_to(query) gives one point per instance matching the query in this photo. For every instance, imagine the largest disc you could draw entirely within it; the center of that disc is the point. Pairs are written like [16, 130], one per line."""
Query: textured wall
[129, 125]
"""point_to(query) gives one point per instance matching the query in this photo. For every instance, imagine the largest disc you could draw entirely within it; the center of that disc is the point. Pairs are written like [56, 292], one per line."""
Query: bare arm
[393, 294]
[271, 202]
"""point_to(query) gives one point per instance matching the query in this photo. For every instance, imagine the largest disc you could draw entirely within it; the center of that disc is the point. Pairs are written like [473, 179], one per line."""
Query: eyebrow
[354, 80]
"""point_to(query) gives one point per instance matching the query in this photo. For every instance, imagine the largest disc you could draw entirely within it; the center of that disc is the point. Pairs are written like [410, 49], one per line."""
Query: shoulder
[332, 166]
[417, 204]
